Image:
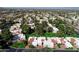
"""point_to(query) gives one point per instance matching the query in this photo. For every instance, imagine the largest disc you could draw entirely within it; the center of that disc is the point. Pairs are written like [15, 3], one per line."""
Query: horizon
[61, 8]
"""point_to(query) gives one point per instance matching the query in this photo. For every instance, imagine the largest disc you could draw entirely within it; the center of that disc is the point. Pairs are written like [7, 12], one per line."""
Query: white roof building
[40, 40]
[77, 42]
[21, 37]
[68, 44]
[15, 29]
[50, 44]
[34, 41]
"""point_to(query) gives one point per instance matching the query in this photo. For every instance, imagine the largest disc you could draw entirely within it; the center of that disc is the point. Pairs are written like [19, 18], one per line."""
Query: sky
[39, 3]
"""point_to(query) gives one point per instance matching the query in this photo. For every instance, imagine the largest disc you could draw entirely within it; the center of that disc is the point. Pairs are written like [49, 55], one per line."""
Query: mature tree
[50, 21]
[39, 29]
[6, 35]
[25, 28]
[44, 24]
[50, 29]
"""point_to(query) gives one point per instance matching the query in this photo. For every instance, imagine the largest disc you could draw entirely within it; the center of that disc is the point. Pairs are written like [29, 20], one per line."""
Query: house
[17, 32]
[32, 41]
[21, 36]
[52, 42]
